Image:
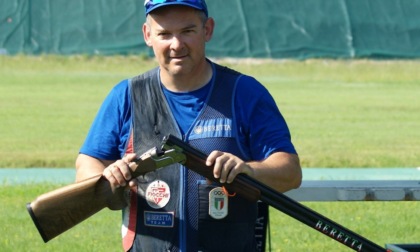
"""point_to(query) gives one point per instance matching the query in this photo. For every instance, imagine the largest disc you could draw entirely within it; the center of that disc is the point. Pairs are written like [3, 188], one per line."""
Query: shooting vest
[170, 210]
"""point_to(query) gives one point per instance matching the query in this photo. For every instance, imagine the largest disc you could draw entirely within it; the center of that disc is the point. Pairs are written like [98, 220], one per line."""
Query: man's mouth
[178, 57]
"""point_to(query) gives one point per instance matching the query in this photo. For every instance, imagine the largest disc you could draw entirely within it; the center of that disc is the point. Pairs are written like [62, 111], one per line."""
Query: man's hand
[280, 170]
[119, 172]
[227, 166]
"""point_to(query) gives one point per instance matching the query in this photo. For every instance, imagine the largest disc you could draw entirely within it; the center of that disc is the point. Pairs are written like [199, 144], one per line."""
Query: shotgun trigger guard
[164, 158]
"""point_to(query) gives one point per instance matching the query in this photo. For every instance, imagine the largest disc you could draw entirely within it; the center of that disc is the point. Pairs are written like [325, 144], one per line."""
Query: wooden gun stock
[57, 211]
[254, 190]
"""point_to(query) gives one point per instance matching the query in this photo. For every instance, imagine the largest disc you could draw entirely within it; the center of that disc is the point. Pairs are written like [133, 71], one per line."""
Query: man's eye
[163, 34]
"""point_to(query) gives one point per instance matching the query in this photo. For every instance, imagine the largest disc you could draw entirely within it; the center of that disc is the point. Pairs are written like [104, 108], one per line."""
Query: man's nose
[177, 43]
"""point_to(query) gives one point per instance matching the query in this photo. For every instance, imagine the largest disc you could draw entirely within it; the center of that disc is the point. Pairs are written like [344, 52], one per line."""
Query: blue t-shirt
[262, 128]
[186, 106]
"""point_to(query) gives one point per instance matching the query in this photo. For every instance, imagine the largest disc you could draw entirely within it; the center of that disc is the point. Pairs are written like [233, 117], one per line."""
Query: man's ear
[209, 28]
[147, 35]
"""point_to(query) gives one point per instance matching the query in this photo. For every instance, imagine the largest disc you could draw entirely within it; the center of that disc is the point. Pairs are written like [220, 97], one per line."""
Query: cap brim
[174, 3]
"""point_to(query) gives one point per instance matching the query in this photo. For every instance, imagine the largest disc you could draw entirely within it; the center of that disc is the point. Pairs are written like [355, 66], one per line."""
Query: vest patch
[219, 127]
[218, 203]
[158, 194]
[159, 219]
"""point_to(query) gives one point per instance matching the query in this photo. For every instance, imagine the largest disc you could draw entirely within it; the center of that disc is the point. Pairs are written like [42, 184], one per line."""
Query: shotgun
[254, 190]
[57, 211]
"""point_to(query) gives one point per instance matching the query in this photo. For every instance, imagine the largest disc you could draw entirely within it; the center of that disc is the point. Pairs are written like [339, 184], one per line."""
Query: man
[229, 116]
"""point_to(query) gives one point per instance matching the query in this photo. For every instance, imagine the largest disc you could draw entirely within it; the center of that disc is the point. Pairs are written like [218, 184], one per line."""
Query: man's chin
[178, 69]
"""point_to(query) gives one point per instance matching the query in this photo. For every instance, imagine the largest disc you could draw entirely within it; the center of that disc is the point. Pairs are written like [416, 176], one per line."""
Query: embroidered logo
[158, 194]
[159, 219]
[218, 203]
[217, 127]
[211, 129]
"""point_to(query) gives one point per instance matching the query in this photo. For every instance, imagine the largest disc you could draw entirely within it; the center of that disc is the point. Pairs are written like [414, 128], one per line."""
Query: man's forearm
[87, 167]
[281, 171]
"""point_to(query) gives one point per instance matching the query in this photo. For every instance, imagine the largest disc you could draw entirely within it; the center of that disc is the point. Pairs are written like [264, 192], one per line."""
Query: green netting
[68, 27]
[244, 28]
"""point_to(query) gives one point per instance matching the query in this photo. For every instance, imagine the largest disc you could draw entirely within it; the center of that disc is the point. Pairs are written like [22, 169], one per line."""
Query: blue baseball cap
[151, 5]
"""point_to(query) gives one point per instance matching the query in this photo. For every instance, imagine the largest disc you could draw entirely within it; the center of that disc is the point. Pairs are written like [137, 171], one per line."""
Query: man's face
[177, 35]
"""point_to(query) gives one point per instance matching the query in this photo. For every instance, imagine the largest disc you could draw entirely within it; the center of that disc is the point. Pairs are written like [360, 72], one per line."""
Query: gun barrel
[254, 190]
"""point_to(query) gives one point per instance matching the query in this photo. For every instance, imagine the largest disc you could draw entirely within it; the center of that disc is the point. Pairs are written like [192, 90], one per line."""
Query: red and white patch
[158, 194]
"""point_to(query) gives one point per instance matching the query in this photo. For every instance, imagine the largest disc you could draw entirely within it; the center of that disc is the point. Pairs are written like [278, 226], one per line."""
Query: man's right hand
[119, 172]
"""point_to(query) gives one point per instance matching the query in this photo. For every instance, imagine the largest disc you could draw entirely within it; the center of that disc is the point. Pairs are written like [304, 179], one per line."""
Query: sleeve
[263, 127]
[109, 132]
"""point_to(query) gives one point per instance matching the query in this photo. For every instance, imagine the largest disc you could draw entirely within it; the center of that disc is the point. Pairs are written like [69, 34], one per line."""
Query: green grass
[101, 232]
[349, 113]
[381, 222]
[47, 104]
[341, 113]
[356, 113]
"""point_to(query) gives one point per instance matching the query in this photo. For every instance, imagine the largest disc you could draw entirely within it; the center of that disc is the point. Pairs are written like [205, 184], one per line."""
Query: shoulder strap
[151, 116]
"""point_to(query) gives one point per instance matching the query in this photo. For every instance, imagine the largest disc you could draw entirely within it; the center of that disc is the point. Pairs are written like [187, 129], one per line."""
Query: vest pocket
[235, 232]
